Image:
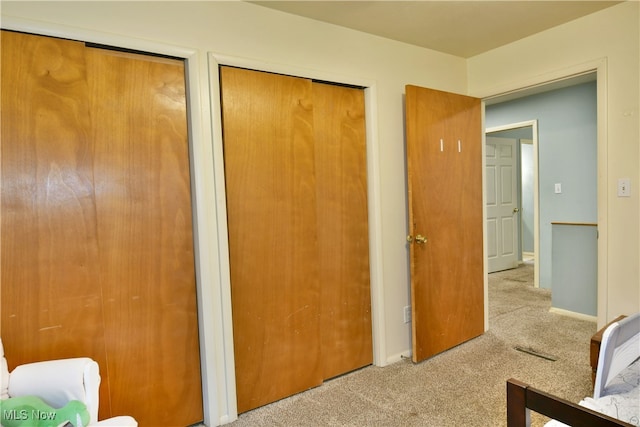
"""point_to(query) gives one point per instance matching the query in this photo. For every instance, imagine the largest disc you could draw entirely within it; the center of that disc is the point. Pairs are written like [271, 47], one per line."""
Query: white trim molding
[573, 314]
[556, 79]
[223, 305]
[206, 257]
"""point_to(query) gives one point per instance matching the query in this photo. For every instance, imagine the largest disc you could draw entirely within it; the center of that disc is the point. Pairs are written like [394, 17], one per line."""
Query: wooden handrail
[585, 224]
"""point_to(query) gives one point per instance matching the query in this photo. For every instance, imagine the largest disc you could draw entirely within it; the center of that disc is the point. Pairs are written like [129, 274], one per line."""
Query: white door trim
[526, 86]
[207, 257]
[536, 196]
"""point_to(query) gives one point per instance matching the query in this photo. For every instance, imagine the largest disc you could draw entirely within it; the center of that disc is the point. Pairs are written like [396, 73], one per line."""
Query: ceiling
[460, 28]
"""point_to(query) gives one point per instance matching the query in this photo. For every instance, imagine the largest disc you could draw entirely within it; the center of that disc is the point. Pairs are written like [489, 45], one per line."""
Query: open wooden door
[444, 166]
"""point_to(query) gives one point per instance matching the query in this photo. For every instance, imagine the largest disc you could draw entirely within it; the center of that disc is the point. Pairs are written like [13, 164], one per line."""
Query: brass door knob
[420, 239]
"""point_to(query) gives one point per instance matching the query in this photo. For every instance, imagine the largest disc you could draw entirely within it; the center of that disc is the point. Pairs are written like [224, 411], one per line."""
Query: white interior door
[502, 204]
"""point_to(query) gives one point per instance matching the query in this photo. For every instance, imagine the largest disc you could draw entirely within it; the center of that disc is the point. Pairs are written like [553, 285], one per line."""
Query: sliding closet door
[295, 169]
[97, 245]
[50, 278]
[143, 204]
[271, 210]
[343, 237]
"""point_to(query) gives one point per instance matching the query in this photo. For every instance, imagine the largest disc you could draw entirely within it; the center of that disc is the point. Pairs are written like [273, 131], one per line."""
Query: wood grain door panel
[143, 202]
[271, 210]
[343, 232]
[51, 296]
[295, 172]
[444, 165]
[97, 246]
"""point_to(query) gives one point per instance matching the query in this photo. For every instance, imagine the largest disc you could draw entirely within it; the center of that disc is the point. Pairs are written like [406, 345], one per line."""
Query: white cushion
[54, 381]
[58, 381]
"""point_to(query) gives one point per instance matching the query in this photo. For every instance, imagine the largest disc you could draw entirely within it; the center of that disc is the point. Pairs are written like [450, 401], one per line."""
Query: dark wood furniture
[521, 399]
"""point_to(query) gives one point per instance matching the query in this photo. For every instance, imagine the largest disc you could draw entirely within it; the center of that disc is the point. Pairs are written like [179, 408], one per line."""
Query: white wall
[610, 41]
[241, 32]
[262, 38]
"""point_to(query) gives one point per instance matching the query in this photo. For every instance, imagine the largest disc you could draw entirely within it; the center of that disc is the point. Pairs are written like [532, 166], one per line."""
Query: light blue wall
[567, 146]
[575, 269]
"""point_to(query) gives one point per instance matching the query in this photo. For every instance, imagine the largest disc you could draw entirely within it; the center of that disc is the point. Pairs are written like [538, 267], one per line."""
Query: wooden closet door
[444, 166]
[143, 205]
[343, 232]
[97, 247]
[50, 278]
[295, 168]
[273, 243]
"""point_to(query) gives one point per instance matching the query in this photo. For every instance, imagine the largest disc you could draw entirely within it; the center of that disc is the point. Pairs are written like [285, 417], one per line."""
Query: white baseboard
[398, 357]
[573, 314]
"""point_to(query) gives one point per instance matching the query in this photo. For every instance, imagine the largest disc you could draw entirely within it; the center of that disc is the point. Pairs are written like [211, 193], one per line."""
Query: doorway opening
[567, 145]
[524, 208]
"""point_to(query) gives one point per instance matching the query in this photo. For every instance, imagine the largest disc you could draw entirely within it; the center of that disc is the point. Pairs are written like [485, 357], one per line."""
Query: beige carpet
[464, 386]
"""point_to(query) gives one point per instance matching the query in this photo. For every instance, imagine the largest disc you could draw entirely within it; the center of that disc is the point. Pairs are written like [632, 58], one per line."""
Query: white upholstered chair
[57, 382]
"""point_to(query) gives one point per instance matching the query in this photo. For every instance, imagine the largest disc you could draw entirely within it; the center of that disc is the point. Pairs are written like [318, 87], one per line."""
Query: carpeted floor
[464, 386]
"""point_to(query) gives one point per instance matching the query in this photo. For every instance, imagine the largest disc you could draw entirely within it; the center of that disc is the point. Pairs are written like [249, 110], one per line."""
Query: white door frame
[207, 256]
[536, 197]
[560, 78]
[374, 208]
[523, 142]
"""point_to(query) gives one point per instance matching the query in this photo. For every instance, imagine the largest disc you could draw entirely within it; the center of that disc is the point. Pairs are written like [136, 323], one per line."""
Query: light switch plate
[558, 188]
[624, 189]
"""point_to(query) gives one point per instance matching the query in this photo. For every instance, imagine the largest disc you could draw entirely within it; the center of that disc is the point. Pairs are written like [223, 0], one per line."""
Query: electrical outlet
[623, 187]
[407, 314]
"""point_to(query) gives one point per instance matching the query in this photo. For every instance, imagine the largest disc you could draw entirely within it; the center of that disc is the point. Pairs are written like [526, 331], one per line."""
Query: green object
[31, 411]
